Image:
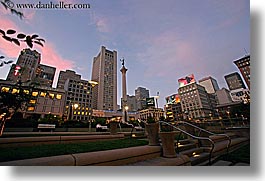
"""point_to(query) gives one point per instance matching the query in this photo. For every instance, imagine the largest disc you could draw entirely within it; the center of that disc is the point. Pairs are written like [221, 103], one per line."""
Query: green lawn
[9, 154]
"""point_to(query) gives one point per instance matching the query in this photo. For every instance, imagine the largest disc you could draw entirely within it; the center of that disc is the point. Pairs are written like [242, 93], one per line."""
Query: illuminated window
[31, 108]
[78, 112]
[43, 94]
[26, 91]
[58, 96]
[32, 101]
[14, 91]
[51, 95]
[5, 89]
[83, 113]
[35, 94]
[74, 112]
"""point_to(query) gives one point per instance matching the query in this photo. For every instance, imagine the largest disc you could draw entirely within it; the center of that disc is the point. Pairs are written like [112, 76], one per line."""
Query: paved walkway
[228, 163]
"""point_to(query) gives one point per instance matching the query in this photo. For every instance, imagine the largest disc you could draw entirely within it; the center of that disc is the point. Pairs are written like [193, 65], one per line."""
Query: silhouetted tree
[10, 36]
[9, 5]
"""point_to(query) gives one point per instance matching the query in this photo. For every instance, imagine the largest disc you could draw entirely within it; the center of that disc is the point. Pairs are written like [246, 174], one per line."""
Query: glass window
[43, 94]
[58, 96]
[5, 89]
[51, 96]
[14, 91]
[35, 94]
[31, 108]
[26, 91]
[32, 101]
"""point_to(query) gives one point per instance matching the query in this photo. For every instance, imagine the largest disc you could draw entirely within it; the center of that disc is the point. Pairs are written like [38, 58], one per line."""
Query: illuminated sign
[173, 99]
[150, 102]
[186, 80]
[17, 70]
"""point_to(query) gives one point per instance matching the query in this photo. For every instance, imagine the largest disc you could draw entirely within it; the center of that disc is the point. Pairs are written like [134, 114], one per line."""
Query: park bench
[46, 127]
[100, 128]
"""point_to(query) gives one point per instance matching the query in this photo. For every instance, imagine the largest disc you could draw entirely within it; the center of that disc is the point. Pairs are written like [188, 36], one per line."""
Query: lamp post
[125, 113]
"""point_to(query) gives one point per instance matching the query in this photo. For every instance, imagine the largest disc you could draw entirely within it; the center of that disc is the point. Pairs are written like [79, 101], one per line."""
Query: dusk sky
[160, 40]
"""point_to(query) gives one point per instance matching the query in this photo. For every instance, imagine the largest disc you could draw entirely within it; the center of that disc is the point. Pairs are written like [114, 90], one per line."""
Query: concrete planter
[152, 133]
[168, 144]
[113, 127]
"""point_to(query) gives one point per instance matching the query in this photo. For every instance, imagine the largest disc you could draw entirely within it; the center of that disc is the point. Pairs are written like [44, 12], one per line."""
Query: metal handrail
[209, 132]
[195, 137]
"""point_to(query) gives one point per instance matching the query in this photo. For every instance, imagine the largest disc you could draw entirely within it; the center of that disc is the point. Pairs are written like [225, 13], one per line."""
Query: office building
[210, 84]
[223, 96]
[43, 100]
[44, 75]
[243, 65]
[156, 113]
[26, 66]
[78, 104]
[131, 103]
[64, 75]
[104, 72]
[172, 108]
[234, 81]
[141, 94]
[195, 102]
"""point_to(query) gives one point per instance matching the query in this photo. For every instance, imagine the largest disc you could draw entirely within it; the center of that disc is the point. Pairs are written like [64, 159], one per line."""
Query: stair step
[192, 152]
[185, 147]
[199, 158]
[222, 163]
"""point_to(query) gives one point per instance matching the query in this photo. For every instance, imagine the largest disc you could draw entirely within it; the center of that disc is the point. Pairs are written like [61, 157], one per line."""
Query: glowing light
[195, 155]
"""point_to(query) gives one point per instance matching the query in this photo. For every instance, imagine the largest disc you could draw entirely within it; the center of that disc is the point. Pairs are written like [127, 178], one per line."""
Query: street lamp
[125, 113]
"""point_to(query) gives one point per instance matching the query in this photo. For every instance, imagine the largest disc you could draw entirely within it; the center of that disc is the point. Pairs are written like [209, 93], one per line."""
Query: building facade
[195, 102]
[44, 75]
[64, 75]
[78, 104]
[243, 65]
[43, 100]
[131, 103]
[26, 66]
[104, 72]
[156, 113]
[141, 94]
[223, 96]
[210, 84]
[234, 81]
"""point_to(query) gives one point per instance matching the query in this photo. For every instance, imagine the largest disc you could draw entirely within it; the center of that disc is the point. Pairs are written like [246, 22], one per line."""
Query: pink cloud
[7, 48]
[171, 50]
[102, 25]
[49, 55]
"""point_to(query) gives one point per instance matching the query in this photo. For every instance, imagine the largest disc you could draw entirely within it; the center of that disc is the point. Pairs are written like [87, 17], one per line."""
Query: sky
[160, 40]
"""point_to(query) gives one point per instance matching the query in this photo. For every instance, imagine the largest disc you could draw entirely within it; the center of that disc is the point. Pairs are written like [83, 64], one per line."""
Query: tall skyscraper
[234, 81]
[26, 66]
[104, 72]
[243, 65]
[141, 94]
[210, 84]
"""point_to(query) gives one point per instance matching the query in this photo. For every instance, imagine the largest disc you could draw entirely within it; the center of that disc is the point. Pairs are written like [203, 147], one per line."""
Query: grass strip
[9, 154]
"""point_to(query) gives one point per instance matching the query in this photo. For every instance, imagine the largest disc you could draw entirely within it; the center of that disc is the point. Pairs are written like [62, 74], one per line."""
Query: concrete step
[180, 160]
[222, 163]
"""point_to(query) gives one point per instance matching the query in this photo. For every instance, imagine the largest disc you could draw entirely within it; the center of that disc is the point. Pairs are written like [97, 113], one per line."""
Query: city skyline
[160, 42]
